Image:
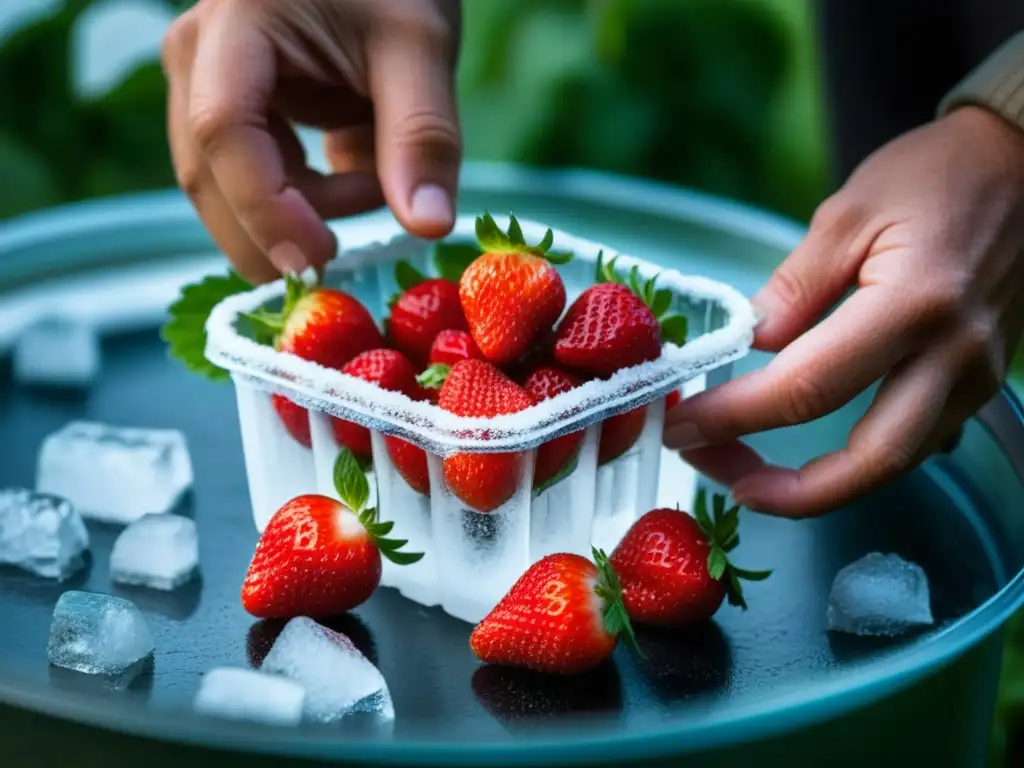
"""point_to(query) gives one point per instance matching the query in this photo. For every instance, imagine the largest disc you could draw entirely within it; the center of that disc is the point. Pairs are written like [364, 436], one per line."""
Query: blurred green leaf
[28, 181]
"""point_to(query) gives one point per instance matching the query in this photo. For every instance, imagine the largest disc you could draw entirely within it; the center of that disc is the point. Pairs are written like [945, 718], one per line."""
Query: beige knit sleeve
[997, 84]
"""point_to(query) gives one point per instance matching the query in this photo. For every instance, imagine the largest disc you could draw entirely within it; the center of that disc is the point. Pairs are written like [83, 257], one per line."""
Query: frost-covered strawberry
[557, 457]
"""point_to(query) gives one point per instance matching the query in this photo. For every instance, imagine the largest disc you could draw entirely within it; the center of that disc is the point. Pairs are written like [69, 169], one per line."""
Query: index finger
[232, 85]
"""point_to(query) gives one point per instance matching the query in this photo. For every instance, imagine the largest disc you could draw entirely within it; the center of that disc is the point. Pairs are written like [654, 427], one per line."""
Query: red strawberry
[675, 568]
[451, 346]
[319, 556]
[672, 400]
[411, 462]
[322, 325]
[512, 294]
[542, 384]
[295, 419]
[620, 433]
[613, 326]
[564, 615]
[423, 309]
[474, 388]
[387, 369]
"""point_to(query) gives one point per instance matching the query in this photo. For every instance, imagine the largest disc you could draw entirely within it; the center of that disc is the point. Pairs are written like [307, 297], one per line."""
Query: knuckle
[429, 129]
[790, 286]
[887, 459]
[209, 124]
[430, 31]
[940, 302]
[801, 398]
[189, 176]
[983, 356]
[179, 42]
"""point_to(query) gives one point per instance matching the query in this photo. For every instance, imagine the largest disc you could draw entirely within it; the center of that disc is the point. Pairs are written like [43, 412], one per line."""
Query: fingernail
[288, 258]
[432, 203]
[684, 436]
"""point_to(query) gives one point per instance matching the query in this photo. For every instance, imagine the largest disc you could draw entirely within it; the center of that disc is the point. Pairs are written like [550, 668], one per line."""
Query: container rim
[428, 426]
[168, 214]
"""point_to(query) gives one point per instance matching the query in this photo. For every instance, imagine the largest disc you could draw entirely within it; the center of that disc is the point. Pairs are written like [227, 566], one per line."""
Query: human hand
[930, 232]
[378, 77]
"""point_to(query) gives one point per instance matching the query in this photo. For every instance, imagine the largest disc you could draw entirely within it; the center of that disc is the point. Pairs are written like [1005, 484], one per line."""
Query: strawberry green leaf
[451, 259]
[606, 271]
[558, 258]
[489, 234]
[493, 240]
[634, 281]
[547, 241]
[185, 330]
[515, 232]
[734, 591]
[350, 481]
[746, 575]
[674, 329]
[434, 376]
[407, 276]
[294, 291]
[402, 558]
[567, 469]
[609, 589]
[700, 513]
[660, 302]
[717, 563]
[265, 326]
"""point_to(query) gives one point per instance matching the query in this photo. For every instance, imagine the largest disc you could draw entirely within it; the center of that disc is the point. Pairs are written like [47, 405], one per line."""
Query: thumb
[418, 143]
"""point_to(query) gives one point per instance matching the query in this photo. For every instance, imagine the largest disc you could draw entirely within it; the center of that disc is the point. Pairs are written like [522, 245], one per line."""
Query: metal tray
[741, 679]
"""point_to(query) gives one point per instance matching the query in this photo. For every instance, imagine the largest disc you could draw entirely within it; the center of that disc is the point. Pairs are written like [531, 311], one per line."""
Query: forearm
[996, 84]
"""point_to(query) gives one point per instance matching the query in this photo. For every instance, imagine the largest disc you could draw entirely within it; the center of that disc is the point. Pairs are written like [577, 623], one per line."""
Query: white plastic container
[473, 558]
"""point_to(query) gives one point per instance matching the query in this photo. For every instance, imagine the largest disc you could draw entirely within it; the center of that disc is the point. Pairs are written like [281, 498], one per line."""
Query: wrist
[982, 127]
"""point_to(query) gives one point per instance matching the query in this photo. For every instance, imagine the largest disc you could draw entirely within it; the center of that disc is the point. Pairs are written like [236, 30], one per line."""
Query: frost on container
[473, 557]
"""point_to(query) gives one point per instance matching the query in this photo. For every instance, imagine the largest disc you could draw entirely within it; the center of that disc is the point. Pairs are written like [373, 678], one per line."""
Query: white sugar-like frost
[880, 595]
[115, 474]
[57, 352]
[349, 397]
[337, 678]
[41, 533]
[243, 694]
[160, 551]
[97, 634]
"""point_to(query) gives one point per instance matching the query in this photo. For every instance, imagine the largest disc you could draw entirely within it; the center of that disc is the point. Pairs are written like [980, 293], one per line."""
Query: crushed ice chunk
[243, 694]
[159, 551]
[115, 474]
[41, 533]
[880, 595]
[337, 678]
[57, 352]
[97, 634]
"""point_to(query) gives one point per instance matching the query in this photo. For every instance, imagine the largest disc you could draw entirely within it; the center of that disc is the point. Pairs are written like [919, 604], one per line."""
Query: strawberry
[322, 325]
[422, 310]
[556, 458]
[564, 615]
[512, 294]
[619, 433]
[675, 568]
[612, 325]
[411, 462]
[387, 369]
[295, 419]
[319, 556]
[474, 388]
[451, 346]
[672, 399]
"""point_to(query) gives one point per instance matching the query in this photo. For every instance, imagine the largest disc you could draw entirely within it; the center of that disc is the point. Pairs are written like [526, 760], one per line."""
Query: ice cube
[879, 595]
[115, 474]
[97, 634]
[41, 533]
[159, 551]
[337, 678]
[243, 694]
[57, 352]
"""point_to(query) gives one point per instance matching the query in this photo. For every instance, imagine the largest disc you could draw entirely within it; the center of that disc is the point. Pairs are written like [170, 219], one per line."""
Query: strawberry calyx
[434, 376]
[493, 240]
[721, 529]
[609, 589]
[674, 327]
[268, 325]
[353, 489]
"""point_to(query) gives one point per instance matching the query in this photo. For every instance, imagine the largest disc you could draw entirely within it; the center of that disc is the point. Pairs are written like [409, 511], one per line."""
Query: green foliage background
[720, 95]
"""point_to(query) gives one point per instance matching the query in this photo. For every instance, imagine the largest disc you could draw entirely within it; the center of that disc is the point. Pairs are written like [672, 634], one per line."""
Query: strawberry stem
[434, 376]
[721, 528]
[609, 589]
[269, 325]
[493, 240]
